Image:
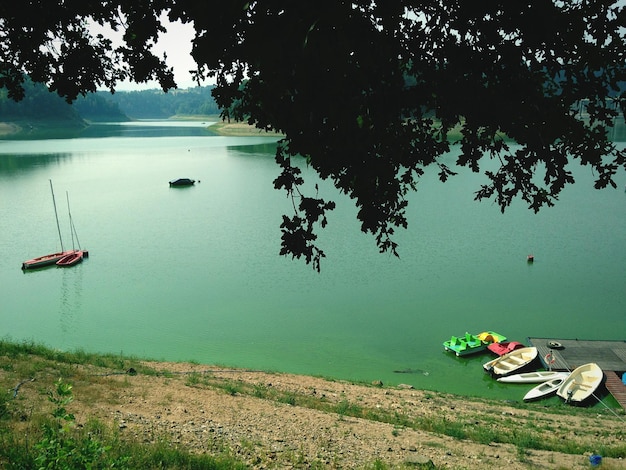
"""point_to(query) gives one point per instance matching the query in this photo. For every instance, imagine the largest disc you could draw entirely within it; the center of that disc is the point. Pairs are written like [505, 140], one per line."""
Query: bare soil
[273, 420]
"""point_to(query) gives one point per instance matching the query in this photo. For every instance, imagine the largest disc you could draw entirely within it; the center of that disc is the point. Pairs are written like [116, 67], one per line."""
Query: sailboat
[51, 258]
[76, 255]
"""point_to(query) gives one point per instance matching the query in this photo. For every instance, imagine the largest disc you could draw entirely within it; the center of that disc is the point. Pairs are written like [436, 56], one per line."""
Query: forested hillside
[40, 105]
[155, 103]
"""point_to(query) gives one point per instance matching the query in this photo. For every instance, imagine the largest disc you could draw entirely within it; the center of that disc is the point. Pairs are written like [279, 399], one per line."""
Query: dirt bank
[273, 420]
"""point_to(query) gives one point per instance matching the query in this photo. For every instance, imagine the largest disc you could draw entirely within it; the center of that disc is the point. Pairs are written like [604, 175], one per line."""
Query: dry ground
[271, 420]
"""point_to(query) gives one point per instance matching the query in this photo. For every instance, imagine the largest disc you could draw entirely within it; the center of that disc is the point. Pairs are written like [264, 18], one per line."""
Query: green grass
[533, 428]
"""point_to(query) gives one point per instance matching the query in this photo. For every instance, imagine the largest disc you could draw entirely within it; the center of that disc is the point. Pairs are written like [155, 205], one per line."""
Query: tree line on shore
[40, 105]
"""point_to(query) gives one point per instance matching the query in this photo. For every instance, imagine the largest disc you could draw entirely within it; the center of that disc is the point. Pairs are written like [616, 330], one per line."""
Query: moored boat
[45, 260]
[71, 259]
[491, 337]
[512, 361]
[464, 345]
[182, 182]
[545, 389]
[52, 258]
[534, 377]
[582, 383]
[504, 348]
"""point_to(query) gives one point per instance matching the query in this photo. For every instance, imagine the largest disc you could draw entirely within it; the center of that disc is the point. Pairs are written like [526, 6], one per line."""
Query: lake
[194, 273]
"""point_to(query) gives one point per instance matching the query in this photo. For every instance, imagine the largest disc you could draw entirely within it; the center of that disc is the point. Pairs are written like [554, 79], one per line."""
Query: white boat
[534, 377]
[545, 388]
[581, 383]
[512, 361]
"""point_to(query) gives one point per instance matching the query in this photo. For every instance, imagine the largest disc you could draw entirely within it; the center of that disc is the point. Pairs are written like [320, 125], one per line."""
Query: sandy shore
[7, 128]
[239, 129]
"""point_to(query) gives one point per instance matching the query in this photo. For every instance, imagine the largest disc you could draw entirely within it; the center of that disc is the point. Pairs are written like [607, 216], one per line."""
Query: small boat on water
[182, 182]
[504, 348]
[71, 259]
[545, 389]
[491, 337]
[509, 363]
[52, 258]
[464, 345]
[533, 377]
[45, 260]
[470, 344]
[582, 383]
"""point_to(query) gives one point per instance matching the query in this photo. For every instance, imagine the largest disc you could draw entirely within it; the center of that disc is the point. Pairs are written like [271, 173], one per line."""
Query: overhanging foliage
[368, 92]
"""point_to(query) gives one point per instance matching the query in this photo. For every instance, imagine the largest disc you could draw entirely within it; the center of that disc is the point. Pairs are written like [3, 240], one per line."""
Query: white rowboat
[534, 377]
[546, 388]
[581, 383]
[512, 361]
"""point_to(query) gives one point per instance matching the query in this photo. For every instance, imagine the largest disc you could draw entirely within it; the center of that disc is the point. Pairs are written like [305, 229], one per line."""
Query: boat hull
[581, 384]
[45, 260]
[71, 259]
[182, 182]
[504, 348]
[511, 362]
[465, 345]
[534, 377]
[545, 389]
[491, 337]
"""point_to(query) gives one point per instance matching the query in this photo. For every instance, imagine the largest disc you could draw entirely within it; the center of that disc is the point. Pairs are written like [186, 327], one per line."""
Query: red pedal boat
[504, 348]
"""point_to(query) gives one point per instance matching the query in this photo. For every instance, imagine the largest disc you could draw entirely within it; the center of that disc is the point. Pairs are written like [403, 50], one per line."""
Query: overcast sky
[176, 43]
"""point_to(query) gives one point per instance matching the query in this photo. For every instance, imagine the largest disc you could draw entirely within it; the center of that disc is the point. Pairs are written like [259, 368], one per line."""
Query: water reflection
[148, 129]
[12, 164]
[71, 300]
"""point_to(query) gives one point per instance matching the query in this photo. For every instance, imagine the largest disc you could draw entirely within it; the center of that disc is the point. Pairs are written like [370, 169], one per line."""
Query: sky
[176, 43]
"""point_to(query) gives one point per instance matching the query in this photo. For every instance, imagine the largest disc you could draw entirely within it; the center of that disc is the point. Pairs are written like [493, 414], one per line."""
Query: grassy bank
[56, 408]
[44, 433]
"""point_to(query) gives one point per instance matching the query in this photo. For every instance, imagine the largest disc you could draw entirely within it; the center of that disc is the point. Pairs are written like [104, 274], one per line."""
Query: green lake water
[194, 273]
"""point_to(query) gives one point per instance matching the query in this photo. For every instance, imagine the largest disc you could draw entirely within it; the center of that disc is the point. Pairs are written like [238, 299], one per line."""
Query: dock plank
[616, 387]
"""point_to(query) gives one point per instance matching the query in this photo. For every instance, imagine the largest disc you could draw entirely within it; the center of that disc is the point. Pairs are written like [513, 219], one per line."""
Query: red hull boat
[71, 259]
[504, 348]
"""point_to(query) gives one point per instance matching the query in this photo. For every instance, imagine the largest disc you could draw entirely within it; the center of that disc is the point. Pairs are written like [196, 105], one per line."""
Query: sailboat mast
[72, 227]
[56, 216]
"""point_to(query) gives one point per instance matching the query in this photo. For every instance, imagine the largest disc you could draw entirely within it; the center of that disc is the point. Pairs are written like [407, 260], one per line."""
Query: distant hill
[155, 104]
[40, 105]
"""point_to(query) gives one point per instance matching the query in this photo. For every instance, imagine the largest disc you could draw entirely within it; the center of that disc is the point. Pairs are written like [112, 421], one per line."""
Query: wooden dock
[567, 354]
[616, 387]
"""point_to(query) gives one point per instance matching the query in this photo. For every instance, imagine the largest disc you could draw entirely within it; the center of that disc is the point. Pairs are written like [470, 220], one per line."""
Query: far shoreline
[14, 129]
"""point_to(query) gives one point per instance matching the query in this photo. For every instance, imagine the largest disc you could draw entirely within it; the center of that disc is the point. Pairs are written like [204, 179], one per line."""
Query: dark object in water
[411, 371]
[182, 182]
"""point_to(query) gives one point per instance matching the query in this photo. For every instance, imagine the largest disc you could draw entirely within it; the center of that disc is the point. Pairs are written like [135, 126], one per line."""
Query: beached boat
[52, 258]
[504, 348]
[533, 377]
[582, 383]
[464, 345]
[182, 182]
[511, 362]
[545, 389]
[71, 259]
[491, 337]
